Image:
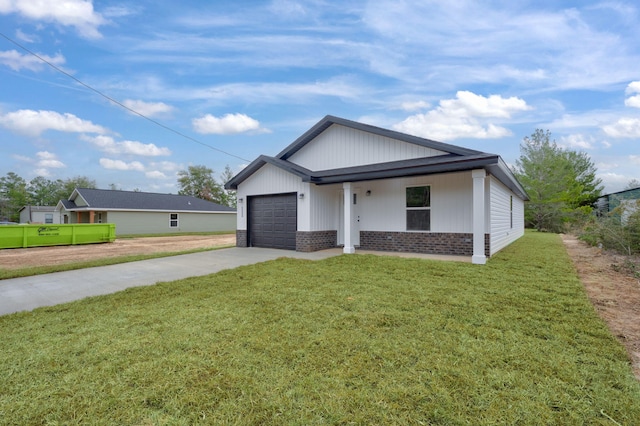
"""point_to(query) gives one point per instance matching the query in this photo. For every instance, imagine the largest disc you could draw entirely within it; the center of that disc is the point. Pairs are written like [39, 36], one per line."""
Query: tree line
[563, 190]
[561, 184]
[16, 192]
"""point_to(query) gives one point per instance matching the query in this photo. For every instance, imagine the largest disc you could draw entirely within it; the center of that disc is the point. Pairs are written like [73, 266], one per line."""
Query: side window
[511, 210]
[418, 204]
[48, 218]
[173, 220]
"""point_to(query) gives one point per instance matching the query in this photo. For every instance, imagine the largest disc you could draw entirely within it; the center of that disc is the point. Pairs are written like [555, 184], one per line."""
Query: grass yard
[348, 340]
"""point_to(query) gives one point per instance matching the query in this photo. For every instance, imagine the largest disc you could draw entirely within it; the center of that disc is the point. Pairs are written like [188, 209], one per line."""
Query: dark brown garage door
[273, 221]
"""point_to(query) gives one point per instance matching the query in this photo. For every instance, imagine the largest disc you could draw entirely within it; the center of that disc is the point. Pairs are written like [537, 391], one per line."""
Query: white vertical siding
[324, 207]
[273, 180]
[452, 203]
[385, 208]
[501, 232]
[340, 146]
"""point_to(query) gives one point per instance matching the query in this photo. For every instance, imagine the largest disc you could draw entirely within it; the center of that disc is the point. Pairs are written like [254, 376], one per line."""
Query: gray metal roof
[104, 199]
[458, 159]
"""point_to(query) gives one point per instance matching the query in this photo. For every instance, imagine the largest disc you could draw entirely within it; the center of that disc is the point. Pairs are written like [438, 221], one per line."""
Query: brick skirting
[241, 238]
[411, 242]
[421, 242]
[316, 240]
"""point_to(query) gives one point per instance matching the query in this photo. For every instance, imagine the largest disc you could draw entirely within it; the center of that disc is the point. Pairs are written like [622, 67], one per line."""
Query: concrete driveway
[25, 294]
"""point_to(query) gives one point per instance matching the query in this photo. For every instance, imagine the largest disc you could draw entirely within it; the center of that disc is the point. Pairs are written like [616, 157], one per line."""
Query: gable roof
[44, 209]
[105, 199]
[457, 159]
[330, 120]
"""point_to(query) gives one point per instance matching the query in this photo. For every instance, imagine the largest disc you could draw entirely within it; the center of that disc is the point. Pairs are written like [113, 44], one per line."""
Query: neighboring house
[145, 213]
[39, 214]
[628, 200]
[349, 184]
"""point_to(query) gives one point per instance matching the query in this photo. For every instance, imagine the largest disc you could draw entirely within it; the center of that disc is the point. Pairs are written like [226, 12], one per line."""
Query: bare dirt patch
[57, 255]
[614, 293]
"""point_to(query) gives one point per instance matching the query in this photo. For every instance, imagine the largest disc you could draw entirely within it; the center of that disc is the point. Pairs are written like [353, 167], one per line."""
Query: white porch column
[478, 217]
[348, 213]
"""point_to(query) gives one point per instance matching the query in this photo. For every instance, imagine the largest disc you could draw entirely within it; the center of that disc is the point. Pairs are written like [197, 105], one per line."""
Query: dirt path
[44, 256]
[614, 294]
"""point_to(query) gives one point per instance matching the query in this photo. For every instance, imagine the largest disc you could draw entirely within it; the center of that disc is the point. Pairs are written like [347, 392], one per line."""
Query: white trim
[348, 217]
[406, 208]
[177, 220]
[478, 257]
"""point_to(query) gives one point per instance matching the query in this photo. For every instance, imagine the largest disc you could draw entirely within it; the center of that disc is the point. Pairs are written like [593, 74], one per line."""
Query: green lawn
[349, 340]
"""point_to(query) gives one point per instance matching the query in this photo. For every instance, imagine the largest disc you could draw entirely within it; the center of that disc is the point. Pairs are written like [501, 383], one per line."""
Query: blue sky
[229, 81]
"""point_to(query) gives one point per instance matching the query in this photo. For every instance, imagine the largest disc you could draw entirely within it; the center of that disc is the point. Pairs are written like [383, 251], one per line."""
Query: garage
[273, 221]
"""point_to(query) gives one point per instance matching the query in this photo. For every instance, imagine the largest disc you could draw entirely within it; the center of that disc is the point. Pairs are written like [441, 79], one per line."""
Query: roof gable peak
[330, 120]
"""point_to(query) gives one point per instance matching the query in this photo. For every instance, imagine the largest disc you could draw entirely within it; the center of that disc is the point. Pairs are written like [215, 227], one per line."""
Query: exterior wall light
[240, 200]
[301, 195]
[368, 192]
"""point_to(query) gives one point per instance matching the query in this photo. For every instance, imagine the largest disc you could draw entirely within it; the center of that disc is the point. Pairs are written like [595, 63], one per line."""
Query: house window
[99, 218]
[173, 220]
[48, 218]
[511, 210]
[418, 203]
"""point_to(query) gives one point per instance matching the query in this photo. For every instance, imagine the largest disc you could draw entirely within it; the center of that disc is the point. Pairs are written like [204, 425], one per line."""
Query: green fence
[14, 236]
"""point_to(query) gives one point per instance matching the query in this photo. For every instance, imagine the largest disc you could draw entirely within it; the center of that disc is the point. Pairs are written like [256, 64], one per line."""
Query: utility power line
[157, 123]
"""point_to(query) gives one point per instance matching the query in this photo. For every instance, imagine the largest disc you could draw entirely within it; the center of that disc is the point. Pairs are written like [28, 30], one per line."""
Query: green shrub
[619, 230]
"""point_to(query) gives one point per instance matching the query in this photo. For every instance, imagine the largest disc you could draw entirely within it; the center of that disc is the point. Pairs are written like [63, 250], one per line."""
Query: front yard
[348, 340]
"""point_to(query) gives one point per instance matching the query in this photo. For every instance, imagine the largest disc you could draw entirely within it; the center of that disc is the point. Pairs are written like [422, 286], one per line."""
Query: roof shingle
[105, 199]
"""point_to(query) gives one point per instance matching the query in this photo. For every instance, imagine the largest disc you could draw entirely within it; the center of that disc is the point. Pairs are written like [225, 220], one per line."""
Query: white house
[349, 184]
[145, 212]
[39, 214]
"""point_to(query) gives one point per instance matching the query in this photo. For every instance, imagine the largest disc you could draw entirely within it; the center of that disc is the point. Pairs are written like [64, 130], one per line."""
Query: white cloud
[42, 172]
[464, 116]
[149, 109]
[108, 163]
[287, 8]
[109, 145]
[633, 87]
[167, 166]
[635, 159]
[577, 141]
[625, 127]
[28, 38]
[470, 104]
[340, 87]
[613, 179]
[633, 101]
[70, 13]
[33, 123]
[607, 166]
[17, 61]
[568, 47]
[49, 160]
[156, 174]
[415, 105]
[228, 124]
